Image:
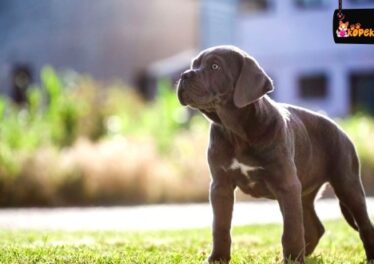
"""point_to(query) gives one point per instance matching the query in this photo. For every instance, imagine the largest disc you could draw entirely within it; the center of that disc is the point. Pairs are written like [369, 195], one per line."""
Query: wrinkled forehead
[221, 55]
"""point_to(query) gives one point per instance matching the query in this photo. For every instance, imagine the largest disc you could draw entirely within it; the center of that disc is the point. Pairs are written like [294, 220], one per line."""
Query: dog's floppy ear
[251, 84]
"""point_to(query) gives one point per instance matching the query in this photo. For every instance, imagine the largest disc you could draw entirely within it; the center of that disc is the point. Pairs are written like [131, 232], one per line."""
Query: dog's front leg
[289, 198]
[222, 200]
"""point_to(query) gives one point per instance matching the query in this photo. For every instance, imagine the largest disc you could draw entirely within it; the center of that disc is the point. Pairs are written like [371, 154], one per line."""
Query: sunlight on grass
[251, 244]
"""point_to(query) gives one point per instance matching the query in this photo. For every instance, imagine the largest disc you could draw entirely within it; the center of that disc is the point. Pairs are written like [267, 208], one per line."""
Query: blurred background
[88, 112]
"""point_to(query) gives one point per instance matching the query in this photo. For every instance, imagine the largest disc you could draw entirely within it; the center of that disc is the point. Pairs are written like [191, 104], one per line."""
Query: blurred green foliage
[360, 128]
[26, 128]
[56, 115]
[160, 119]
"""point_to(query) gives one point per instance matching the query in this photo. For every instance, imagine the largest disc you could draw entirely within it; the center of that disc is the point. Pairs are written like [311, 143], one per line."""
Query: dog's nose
[187, 74]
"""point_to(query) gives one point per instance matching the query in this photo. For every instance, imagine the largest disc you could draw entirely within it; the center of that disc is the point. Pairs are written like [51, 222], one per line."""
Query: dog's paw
[217, 260]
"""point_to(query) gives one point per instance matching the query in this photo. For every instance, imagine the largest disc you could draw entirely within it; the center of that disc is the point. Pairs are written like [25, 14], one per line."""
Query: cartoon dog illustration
[342, 31]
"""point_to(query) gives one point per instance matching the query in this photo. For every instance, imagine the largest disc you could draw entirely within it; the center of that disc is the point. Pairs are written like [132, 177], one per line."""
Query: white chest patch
[244, 169]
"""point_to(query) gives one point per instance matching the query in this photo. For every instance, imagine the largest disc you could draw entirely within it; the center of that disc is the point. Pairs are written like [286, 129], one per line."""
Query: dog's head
[220, 75]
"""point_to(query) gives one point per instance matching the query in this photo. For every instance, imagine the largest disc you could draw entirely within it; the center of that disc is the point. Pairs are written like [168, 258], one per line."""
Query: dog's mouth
[196, 102]
[193, 97]
[210, 106]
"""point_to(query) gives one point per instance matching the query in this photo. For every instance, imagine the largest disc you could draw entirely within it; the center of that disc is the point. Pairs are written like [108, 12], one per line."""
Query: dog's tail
[348, 216]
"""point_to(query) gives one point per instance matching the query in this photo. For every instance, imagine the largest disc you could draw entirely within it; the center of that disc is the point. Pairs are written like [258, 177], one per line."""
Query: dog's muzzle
[181, 92]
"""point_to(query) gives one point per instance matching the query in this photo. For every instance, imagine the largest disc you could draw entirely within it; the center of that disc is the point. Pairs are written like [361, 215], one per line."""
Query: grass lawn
[251, 244]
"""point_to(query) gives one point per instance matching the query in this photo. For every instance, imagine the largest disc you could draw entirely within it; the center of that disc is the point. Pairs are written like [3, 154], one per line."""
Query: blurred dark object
[313, 86]
[311, 3]
[249, 6]
[21, 80]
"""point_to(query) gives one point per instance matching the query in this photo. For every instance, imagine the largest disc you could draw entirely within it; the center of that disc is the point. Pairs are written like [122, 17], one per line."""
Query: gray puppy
[271, 150]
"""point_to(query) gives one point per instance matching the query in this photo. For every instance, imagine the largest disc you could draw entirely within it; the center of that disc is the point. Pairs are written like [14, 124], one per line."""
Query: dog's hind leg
[348, 188]
[352, 197]
[348, 216]
[312, 225]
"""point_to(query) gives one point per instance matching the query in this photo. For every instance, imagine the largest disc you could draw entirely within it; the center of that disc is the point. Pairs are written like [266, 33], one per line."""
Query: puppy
[271, 150]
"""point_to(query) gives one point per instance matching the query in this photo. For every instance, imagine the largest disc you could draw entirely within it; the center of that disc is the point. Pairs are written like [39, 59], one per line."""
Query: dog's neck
[255, 123]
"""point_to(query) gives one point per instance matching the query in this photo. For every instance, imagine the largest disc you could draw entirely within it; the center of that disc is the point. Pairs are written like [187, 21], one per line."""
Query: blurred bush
[81, 142]
[360, 128]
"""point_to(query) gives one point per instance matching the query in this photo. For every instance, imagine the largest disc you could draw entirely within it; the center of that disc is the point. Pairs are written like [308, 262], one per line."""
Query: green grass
[251, 244]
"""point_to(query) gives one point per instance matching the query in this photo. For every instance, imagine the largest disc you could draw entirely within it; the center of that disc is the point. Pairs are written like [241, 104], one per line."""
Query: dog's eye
[215, 66]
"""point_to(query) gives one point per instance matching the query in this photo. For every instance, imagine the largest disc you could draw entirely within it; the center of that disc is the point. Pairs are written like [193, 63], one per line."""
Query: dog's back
[321, 147]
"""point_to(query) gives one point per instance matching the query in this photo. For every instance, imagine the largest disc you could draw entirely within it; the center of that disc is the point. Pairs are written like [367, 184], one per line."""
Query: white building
[293, 41]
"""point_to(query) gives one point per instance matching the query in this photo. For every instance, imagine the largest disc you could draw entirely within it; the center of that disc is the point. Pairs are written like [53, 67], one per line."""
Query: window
[310, 3]
[251, 6]
[313, 86]
[362, 92]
